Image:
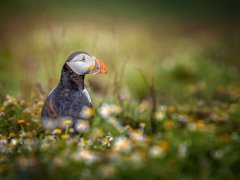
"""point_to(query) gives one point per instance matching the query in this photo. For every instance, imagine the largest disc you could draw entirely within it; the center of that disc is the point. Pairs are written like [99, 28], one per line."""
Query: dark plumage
[69, 99]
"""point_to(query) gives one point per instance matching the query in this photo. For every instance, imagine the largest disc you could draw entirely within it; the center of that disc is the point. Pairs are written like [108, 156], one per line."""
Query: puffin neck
[69, 79]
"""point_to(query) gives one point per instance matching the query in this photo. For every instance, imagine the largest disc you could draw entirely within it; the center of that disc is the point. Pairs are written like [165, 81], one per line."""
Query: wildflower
[40, 103]
[128, 127]
[74, 141]
[142, 125]
[156, 151]
[164, 145]
[39, 110]
[218, 154]
[182, 149]
[219, 116]
[57, 131]
[29, 134]
[169, 124]
[9, 100]
[87, 112]
[58, 161]
[87, 156]
[106, 110]
[116, 109]
[51, 138]
[28, 142]
[83, 142]
[182, 118]
[171, 109]
[49, 124]
[64, 136]
[67, 122]
[136, 158]
[2, 113]
[97, 132]
[192, 126]
[45, 146]
[3, 140]
[14, 141]
[201, 126]
[113, 121]
[82, 126]
[22, 134]
[137, 135]
[122, 144]
[191, 118]
[27, 111]
[71, 131]
[144, 105]
[109, 137]
[107, 141]
[21, 121]
[159, 115]
[11, 135]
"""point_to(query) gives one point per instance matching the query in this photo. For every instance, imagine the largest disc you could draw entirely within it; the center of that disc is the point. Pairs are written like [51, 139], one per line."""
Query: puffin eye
[83, 59]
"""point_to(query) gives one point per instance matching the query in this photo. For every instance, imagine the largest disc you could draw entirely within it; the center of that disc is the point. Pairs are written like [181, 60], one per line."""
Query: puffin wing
[80, 102]
[64, 103]
[49, 111]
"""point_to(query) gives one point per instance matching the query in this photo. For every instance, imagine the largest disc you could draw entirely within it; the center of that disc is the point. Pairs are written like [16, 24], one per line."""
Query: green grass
[202, 142]
[191, 72]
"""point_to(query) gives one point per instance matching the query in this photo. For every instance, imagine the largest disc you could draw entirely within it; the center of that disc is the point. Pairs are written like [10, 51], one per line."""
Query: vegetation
[202, 141]
[167, 109]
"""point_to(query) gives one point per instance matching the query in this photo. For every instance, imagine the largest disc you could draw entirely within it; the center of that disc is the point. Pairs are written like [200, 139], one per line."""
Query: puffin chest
[72, 102]
[80, 99]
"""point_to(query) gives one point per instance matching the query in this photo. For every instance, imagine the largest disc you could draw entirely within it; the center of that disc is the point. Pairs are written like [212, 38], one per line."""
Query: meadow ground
[168, 108]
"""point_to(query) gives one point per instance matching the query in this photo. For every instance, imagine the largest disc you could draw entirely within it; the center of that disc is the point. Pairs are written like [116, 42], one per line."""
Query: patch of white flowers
[122, 144]
[82, 126]
[156, 151]
[108, 110]
[183, 149]
[85, 155]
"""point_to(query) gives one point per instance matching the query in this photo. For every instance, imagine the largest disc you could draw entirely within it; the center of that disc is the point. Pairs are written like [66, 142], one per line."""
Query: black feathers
[67, 100]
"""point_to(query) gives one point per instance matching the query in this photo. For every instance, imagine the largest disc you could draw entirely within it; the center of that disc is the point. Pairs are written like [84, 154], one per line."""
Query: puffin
[69, 100]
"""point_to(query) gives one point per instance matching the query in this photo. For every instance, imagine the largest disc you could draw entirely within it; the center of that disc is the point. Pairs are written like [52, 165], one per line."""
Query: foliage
[168, 108]
[202, 141]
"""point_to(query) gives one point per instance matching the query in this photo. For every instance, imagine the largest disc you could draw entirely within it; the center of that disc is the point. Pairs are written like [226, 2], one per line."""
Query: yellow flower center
[67, 122]
[57, 131]
[64, 136]
[21, 121]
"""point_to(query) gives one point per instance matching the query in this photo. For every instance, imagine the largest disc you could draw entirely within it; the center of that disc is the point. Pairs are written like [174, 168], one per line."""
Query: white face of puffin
[86, 64]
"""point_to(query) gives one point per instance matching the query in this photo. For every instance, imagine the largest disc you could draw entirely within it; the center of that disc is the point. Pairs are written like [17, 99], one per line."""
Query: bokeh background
[168, 107]
[178, 44]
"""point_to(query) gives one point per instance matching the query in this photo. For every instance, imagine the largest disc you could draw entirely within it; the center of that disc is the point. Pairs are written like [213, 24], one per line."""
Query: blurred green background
[183, 46]
[168, 107]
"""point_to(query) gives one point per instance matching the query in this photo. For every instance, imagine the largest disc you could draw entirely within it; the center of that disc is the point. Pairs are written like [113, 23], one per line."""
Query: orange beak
[102, 67]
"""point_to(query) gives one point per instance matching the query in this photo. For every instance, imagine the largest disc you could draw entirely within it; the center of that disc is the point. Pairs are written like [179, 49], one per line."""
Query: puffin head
[84, 63]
